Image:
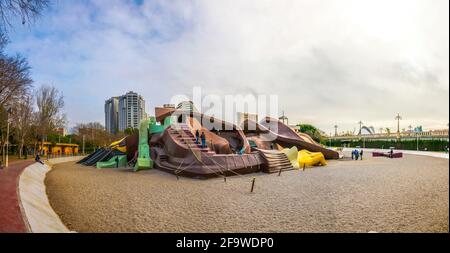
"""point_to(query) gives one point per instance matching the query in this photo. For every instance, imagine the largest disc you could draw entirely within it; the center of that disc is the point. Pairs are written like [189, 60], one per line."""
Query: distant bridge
[409, 135]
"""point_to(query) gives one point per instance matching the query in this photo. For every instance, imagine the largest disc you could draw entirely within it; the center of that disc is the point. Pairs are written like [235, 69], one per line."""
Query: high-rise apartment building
[124, 112]
[112, 115]
[131, 111]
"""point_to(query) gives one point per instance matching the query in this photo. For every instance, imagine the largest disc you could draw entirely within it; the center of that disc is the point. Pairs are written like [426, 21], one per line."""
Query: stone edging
[38, 213]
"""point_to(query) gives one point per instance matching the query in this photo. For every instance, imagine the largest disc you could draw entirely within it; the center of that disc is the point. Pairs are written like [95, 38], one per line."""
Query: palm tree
[388, 131]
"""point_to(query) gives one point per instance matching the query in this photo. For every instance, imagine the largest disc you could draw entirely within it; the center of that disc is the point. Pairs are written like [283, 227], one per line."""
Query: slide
[144, 161]
[292, 155]
[95, 157]
[285, 136]
[306, 158]
[112, 163]
[89, 156]
[302, 158]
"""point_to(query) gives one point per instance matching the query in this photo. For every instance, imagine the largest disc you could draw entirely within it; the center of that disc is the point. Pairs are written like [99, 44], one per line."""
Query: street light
[7, 137]
[398, 118]
[360, 127]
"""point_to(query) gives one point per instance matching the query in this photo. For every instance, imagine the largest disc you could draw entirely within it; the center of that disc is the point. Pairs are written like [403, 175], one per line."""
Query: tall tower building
[112, 115]
[124, 112]
[131, 110]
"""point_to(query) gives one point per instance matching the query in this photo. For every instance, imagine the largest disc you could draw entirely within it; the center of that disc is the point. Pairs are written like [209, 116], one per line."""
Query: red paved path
[11, 220]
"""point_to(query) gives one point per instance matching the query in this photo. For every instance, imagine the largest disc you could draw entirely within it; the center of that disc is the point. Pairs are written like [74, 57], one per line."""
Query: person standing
[197, 136]
[361, 153]
[203, 138]
[356, 155]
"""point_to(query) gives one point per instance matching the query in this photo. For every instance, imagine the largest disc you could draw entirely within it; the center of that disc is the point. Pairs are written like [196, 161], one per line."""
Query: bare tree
[26, 10]
[49, 116]
[22, 119]
[15, 76]
[95, 134]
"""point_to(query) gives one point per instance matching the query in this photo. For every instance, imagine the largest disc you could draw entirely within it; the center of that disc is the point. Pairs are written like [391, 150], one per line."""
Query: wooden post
[253, 184]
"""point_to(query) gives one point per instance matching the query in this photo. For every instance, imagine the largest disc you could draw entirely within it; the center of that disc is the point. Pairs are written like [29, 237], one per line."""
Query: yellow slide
[292, 155]
[306, 158]
[120, 145]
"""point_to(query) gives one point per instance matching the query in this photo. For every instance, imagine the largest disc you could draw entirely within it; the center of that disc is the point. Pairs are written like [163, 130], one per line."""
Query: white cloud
[329, 61]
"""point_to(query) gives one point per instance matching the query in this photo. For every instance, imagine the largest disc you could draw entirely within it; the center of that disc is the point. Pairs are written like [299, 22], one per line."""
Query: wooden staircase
[275, 161]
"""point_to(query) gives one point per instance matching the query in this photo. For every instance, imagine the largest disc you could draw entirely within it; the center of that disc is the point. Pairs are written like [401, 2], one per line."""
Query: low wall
[407, 152]
[36, 209]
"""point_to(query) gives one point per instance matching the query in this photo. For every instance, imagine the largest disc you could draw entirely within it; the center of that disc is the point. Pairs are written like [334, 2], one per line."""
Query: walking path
[11, 219]
[24, 205]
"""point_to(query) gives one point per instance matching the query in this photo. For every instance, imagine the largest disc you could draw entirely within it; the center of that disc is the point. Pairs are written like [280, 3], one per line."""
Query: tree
[312, 131]
[22, 119]
[388, 131]
[131, 131]
[49, 116]
[15, 76]
[94, 133]
[26, 10]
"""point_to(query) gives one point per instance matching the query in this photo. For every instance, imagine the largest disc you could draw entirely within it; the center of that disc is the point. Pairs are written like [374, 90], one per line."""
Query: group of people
[356, 154]
[200, 137]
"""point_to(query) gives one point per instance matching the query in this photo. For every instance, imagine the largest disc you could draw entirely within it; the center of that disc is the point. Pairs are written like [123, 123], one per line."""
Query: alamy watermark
[231, 111]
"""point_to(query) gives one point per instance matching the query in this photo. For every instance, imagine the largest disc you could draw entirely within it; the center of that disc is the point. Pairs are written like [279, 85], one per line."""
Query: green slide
[144, 161]
[112, 162]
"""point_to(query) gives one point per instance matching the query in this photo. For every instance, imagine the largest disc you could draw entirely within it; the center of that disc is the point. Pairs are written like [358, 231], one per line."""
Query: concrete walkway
[11, 219]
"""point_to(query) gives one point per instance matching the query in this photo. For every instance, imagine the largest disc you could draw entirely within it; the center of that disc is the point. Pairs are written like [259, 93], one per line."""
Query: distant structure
[367, 130]
[360, 127]
[61, 131]
[243, 116]
[187, 106]
[124, 112]
[112, 115]
[284, 119]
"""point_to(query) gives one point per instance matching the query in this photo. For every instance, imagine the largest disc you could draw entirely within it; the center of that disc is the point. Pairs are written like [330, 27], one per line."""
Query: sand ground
[377, 194]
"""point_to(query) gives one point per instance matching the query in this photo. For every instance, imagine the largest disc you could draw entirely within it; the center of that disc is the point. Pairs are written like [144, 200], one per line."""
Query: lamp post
[7, 138]
[417, 137]
[83, 143]
[360, 127]
[398, 118]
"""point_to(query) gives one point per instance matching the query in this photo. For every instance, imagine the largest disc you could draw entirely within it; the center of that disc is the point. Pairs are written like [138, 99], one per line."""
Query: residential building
[112, 115]
[124, 112]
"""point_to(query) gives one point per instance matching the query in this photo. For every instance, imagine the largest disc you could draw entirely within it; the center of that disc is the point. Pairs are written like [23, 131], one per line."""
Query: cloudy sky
[329, 61]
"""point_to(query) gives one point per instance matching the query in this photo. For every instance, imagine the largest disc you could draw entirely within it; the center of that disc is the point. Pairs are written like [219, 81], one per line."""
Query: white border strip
[38, 212]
